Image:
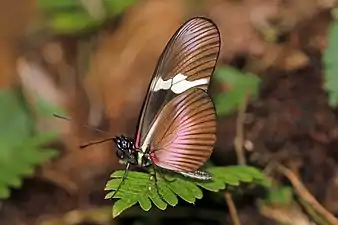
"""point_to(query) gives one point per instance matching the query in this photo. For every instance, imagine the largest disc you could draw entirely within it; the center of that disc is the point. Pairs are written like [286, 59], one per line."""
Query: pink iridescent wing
[187, 61]
[185, 132]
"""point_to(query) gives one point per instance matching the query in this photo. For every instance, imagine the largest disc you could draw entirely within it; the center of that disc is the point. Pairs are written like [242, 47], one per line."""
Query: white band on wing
[178, 84]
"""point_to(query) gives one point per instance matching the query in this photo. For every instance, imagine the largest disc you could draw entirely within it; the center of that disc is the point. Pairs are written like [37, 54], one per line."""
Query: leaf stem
[232, 208]
[239, 139]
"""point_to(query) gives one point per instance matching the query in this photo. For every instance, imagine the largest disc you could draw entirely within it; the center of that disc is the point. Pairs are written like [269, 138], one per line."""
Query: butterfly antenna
[96, 142]
[87, 126]
[92, 142]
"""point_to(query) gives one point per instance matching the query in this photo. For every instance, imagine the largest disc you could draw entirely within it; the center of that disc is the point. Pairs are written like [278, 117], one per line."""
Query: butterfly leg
[159, 170]
[156, 185]
[123, 179]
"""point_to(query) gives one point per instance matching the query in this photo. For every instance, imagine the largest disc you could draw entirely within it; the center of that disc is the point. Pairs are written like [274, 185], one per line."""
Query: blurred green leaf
[14, 120]
[140, 187]
[52, 5]
[279, 195]
[74, 22]
[239, 86]
[69, 17]
[330, 59]
[115, 7]
[4, 192]
[19, 150]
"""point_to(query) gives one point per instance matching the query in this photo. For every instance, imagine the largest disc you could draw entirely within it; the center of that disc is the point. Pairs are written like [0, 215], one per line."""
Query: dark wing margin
[185, 132]
[193, 52]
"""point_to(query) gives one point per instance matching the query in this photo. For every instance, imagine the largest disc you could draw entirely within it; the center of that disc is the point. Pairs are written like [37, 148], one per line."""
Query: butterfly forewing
[187, 62]
[183, 136]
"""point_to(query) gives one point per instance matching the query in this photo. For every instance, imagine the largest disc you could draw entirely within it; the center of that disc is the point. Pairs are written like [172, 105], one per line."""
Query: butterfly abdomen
[199, 175]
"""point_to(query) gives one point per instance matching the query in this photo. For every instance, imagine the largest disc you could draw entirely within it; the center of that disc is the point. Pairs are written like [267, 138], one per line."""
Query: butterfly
[177, 124]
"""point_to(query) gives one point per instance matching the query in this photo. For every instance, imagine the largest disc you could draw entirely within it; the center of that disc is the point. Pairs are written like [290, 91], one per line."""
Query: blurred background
[275, 88]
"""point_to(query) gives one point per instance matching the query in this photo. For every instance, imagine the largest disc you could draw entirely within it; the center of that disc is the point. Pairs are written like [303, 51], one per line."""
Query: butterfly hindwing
[183, 136]
[187, 62]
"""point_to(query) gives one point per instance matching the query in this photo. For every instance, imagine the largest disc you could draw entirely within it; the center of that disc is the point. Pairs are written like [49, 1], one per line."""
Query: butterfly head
[125, 149]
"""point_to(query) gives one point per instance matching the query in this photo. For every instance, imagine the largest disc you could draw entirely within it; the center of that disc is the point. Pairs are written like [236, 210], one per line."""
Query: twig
[306, 195]
[318, 219]
[239, 139]
[232, 208]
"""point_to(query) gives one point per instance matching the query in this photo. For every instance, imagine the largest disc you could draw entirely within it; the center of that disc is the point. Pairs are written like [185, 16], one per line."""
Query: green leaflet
[140, 187]
[144, 202]
[122, 205]
[155, 198]
[20, 152]
[181, 188]
[214, 186]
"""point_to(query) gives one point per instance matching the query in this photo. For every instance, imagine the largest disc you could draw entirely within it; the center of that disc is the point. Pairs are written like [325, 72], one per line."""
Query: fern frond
[20, 152]
[140, 187]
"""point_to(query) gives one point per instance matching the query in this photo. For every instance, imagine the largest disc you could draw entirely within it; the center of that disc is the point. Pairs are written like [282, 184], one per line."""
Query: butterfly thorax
[143, 159]
[127, 152]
